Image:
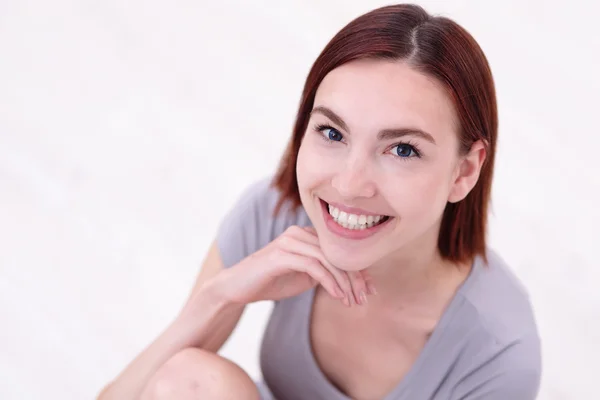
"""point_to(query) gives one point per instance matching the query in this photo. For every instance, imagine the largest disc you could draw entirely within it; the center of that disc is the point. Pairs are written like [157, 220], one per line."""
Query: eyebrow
[384, 134]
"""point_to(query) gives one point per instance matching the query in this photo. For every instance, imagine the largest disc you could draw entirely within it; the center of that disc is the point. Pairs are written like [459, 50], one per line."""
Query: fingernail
[371, 288]
[363, 298]
[346, 301]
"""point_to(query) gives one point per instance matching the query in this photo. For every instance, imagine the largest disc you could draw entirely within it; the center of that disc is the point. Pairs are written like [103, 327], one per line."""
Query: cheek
[304, 166]
[309, 172]
[419, 197]
[314, 162]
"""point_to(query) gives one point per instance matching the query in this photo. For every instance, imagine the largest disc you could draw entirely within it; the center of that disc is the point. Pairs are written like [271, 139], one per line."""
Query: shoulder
[502, 352]
[499, 299]
[251, 223]
[502, 371]
[260, 199]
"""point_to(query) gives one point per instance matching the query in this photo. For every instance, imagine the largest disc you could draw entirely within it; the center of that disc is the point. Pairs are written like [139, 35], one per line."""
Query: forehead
[377, 94]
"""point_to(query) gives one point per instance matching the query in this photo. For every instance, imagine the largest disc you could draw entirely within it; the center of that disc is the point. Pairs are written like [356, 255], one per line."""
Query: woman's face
[378, 163]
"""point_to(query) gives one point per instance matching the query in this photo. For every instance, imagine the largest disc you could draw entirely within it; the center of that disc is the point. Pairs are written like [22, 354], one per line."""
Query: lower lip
[355, 234]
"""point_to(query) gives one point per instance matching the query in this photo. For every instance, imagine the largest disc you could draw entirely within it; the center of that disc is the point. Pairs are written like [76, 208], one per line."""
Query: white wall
[127, 129]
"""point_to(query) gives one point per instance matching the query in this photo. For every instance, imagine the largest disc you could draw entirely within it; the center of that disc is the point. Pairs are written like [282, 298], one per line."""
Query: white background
[127, 130]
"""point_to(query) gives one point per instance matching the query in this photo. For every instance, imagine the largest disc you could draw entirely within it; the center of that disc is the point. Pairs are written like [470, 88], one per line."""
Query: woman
[370, 238]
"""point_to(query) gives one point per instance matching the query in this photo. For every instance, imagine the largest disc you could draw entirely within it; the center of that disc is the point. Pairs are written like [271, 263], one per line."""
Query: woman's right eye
[330, 134]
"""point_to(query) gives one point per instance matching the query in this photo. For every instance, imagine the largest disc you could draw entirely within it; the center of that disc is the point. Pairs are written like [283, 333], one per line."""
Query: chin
[347, 260]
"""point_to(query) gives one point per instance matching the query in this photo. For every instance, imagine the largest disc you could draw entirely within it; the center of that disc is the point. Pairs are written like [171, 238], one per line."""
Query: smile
[352, 225]
[355, 221]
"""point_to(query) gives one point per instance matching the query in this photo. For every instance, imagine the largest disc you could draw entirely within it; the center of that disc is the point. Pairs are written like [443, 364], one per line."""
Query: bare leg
[195, 374]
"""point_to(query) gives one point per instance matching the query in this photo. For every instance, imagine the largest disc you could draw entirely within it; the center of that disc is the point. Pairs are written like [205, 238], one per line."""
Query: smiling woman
[370, 238]
[396, 153]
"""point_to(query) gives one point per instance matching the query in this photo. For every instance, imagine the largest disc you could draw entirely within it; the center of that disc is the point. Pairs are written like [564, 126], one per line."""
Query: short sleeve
[251, 224]
[513, 373]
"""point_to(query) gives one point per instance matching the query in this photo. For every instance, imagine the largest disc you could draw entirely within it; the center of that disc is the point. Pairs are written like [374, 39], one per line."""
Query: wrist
[217, 292]
[223, 290]
[209, 301]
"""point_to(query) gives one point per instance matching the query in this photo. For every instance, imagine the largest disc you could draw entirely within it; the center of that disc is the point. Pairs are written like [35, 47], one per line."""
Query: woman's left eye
[405, 151]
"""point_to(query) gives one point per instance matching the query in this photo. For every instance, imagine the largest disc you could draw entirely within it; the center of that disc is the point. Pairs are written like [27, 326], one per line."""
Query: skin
[365, 172]
[365, 348]
[409, 178]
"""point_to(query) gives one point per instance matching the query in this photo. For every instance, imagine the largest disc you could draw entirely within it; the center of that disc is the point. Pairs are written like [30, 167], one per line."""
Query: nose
[353, 180]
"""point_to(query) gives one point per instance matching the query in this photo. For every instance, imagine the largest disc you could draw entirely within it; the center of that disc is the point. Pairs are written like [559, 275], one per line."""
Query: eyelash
[321, 127]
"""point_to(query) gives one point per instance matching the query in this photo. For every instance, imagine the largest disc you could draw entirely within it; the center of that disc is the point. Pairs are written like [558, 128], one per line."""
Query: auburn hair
[442, 49]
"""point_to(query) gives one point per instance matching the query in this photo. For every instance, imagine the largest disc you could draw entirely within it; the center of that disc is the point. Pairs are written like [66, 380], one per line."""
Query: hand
[288, 266]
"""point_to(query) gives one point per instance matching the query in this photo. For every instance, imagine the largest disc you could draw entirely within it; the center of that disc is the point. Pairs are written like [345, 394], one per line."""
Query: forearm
[204, 325]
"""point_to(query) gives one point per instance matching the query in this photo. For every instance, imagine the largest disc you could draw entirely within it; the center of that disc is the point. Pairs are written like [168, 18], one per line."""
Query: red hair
[440, 48]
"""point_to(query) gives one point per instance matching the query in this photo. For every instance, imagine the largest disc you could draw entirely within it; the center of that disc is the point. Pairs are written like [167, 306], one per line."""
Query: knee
[195, 374]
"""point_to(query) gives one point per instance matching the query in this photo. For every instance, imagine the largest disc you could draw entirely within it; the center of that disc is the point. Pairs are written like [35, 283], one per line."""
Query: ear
[467, 172]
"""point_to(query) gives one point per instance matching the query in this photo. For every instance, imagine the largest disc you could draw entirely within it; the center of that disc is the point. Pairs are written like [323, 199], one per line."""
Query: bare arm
[286, 267]
[218, 334]
[206, 321]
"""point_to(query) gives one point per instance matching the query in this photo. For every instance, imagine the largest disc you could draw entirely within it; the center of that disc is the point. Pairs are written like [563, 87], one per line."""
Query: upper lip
[352, 210]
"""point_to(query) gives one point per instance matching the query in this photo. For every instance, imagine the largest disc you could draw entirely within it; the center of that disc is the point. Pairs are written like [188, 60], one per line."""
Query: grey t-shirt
[485, 346]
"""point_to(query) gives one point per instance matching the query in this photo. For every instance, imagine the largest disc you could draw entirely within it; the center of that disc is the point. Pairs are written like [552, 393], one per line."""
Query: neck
[406, 275]
[420, 275]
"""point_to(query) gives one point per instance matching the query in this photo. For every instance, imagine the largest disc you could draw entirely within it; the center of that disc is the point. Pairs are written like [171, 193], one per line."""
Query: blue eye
[405, 151]
[329, 134]
[332, 134]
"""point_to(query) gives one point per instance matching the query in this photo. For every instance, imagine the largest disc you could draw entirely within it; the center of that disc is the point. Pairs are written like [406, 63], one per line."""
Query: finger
[368, 281]
[359, 287]
[296, 246]
[315, 270]
[371, 289]
[310, 229]
[308, 234]
[365, 274]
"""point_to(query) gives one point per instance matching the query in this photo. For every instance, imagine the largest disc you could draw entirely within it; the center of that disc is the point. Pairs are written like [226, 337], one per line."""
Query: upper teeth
[353, 221]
